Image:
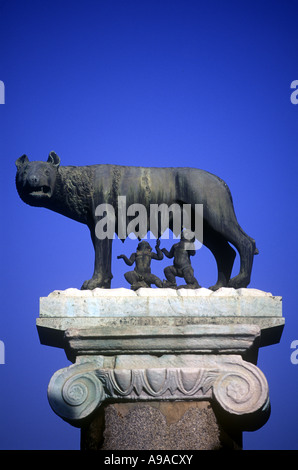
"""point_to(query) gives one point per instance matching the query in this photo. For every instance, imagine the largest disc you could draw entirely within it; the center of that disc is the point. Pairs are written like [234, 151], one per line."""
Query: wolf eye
[47, 172]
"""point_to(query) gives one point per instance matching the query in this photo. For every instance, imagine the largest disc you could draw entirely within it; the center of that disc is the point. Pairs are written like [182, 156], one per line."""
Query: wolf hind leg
[246, 248]
[224, 256]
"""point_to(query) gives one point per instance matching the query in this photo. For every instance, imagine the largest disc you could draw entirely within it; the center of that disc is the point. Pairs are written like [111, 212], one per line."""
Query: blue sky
[150, 83]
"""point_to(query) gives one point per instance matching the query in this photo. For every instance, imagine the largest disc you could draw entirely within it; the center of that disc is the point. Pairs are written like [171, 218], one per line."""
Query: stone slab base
[157, 426]
[148, 311]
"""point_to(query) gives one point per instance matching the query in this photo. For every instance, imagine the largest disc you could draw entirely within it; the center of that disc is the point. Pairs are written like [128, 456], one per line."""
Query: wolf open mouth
[41, 191]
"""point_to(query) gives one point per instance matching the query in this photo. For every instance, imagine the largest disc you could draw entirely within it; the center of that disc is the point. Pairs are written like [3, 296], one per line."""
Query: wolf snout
[33, 180]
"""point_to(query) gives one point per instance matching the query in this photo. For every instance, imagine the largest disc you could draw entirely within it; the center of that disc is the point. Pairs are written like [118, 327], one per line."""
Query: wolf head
[35, 181]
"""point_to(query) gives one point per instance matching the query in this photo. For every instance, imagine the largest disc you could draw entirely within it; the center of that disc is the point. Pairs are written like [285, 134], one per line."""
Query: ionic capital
[237, 389]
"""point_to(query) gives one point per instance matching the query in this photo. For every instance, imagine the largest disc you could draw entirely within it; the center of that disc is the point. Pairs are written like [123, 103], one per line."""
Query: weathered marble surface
[155, 302]
[188, 339]
[152, 311]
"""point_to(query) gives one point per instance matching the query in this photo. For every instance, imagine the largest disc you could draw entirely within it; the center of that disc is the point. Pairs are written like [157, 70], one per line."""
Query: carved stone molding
[187, 339]
[235, 387]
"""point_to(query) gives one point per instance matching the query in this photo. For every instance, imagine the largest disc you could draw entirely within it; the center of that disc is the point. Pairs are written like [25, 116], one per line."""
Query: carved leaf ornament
[239, 389]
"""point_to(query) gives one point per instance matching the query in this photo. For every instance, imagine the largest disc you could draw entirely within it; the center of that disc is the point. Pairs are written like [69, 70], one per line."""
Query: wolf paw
[98, 281]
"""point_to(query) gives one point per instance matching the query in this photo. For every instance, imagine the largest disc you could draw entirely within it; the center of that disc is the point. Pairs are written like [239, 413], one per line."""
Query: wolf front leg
[102, 275]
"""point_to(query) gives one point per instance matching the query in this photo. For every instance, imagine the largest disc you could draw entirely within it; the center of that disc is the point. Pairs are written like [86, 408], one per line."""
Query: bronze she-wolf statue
[76, 192]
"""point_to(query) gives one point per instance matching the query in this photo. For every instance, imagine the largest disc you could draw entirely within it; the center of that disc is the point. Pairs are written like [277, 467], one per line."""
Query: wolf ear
[54, 159]
[20, 161]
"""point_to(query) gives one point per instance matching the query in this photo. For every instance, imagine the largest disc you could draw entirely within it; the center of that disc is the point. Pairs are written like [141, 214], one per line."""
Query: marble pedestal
[160, 368]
